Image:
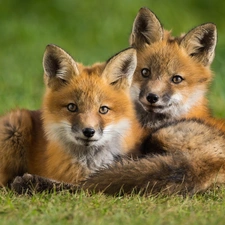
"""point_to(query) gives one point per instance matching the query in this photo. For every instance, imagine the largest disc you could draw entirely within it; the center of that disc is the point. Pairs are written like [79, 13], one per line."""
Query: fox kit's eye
[103, 109]
[145, 72]
[72, 107]
[177, 79]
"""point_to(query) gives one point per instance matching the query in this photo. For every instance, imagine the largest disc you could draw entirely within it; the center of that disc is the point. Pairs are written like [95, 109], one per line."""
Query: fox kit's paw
[32, 184]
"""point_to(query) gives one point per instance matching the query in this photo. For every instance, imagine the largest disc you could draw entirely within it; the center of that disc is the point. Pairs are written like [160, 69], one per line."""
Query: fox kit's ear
[58, 66]
[147, 29]
[119, 69]
[200, 43]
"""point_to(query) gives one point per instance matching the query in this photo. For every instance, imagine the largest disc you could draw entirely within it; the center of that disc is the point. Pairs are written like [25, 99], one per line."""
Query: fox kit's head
[172, 74]
[87, 106]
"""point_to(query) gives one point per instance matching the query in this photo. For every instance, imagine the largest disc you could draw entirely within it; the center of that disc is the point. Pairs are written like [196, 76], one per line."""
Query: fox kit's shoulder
[173, 74]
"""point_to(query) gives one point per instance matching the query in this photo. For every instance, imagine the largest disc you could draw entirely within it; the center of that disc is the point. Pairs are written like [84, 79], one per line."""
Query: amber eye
[177, 79]
[72, 107]
[103, 109]
[145, 72]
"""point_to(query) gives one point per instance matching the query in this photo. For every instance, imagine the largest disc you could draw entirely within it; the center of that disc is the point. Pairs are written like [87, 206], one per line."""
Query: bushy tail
[192, 160]
[164, 174]
[15, 137]
[159, 174]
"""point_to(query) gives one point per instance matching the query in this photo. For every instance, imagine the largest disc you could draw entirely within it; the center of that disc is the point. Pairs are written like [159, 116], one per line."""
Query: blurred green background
[90, 31]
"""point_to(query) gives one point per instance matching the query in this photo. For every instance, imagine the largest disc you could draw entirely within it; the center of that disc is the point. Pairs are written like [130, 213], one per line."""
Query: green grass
[93, 31]
[99, 209]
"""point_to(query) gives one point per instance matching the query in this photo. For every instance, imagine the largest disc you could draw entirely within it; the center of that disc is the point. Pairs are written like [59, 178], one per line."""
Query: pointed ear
[200, 43]
[58, 66]
[147, 29]
[119, 69]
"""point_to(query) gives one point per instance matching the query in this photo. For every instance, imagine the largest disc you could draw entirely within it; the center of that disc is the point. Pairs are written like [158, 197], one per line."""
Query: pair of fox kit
[148, 101]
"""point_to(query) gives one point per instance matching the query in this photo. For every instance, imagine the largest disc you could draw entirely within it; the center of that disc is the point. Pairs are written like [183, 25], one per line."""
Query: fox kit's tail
[194, 159]
[152, 175]
[15, 136]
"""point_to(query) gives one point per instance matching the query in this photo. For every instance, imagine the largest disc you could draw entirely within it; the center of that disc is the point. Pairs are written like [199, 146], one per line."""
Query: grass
[93, 31]
[99, 209]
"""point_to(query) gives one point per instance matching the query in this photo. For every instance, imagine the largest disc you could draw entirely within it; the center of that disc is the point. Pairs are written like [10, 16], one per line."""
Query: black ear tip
[209, 27]
[146, 12]
[144, 9]
[212, 25]
[50, 46]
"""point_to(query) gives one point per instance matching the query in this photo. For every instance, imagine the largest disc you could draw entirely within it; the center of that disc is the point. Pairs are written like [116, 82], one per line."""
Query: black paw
[30, 184]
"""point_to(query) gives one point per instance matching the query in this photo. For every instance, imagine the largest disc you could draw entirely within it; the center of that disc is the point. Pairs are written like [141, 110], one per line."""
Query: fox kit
[173, 74]
[87, 120]
[169, 90]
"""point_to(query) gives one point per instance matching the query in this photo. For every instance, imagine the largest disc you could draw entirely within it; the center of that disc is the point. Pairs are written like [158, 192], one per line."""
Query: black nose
[152, 98]
[88, 132]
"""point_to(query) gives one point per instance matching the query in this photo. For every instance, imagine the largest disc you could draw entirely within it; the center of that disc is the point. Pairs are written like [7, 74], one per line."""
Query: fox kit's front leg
[31, 184]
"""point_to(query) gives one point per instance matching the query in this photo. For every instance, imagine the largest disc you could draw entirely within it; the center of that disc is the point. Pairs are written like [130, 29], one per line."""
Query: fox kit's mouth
[86, 141]
[155, 108]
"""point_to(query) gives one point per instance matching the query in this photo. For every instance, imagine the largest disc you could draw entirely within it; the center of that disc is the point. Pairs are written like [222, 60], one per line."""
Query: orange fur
[86, 121]
[158, 99]
[186, 144]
